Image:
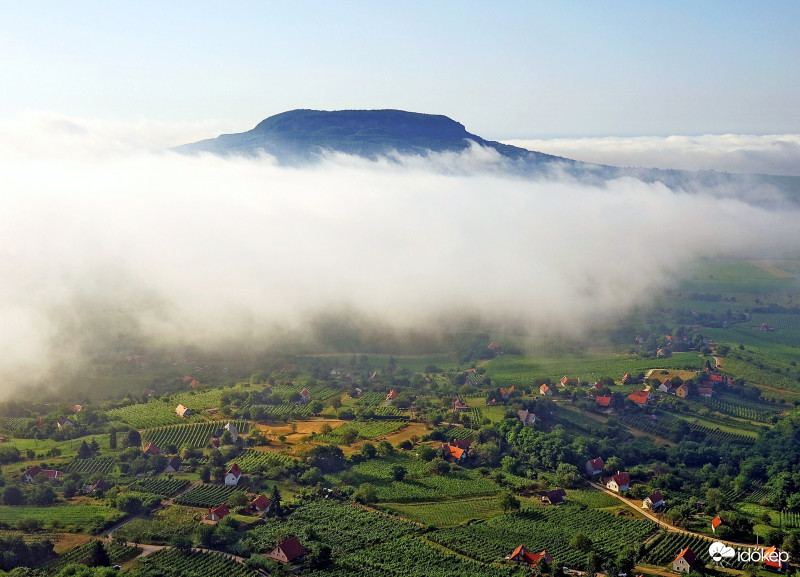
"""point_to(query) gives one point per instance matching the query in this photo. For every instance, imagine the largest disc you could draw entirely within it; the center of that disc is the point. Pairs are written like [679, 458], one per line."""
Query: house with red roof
[452, 453]
[522, 556]
[604, 402]
[594, 466]
[772, 558]
[306, 395]
[152, 449]
[626, 378]
[459, 405]
[567, 381]
[705, 392]
[684, 561]
[715, 523]
[217, 513]
[31, 474]
[391, 396]
[639, 397]
[598, 385]
[233, 475]
[287, 551]
[653, 501]
[545, 391]
[619, 482]
[260, 504]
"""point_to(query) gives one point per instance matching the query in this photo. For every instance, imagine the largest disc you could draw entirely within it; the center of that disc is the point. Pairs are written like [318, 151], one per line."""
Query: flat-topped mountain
[300, 135]
[303, 136]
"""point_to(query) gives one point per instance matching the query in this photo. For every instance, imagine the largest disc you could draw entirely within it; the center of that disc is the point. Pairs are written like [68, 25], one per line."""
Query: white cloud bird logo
[720, 551]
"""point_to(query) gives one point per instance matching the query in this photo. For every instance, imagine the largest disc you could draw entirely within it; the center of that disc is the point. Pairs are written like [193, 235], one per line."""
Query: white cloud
[738, 153]
[199, 249]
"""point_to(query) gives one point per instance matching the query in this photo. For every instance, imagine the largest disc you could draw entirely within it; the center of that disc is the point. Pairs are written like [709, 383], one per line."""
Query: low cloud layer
[98, 241]
[737, 153]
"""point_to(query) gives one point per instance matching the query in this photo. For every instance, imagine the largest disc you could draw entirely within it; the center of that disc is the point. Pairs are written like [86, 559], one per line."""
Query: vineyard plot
[206, 496]
[192, 435]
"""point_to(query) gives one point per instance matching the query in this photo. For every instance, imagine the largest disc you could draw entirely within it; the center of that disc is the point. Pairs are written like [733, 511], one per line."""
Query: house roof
[292, 548]
[544, 388]
[705, 391]
[716, 522]
[305, 393]
[522, 554]
[174, 462]
[656, 496]
[49, 473]
[526, 416]
[391, 394]
[493, 345]
[453, 451]
[235, 470]
[597, 463]
[261, 502]
[639, 397]
[461, 444]
[603, 401]
[220, 511]
[152, 449]
[621, 479]
[556, 496]
[688, 555]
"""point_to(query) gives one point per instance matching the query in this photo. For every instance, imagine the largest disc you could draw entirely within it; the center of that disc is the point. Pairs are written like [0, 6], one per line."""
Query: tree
[398, 472]
[368, 450]
[112, 438]
[132, 439]
[509, 502]
[350, 436]
[320, 557]
[581, 542]
[98, 556]
[95, 447]
[365, 494]
[275, 497]
[205, 474]
[84, 452]
[315, 407]
[13, 496]
[385, 449]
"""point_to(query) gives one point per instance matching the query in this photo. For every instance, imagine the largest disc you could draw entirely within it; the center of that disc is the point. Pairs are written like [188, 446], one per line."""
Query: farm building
[684, 561]
[64, 423]
[231, 428]
[260, 504]
[626, 379]
[545, 391]
[452, 453]
[173, 465]
[152, 449]
[705, 392]
[619, 482]
[527, 417]
[603, 401]
[391, 396]
[459, 405]
[772, 558]
[594, 466]
[217, 513]
[287, 551]
[715, 523]
[306, 396]
[31, 473]
[233, 475]
[554, 497]
[639, 397]
[98, 485]
[567, 381]
[682, 391]
[653, 501]
[182, 411]
[524, 557]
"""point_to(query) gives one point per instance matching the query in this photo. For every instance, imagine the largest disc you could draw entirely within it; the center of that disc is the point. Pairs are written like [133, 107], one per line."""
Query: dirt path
[669, 527]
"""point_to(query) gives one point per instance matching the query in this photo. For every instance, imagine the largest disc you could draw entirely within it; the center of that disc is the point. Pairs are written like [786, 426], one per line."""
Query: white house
[233, 475]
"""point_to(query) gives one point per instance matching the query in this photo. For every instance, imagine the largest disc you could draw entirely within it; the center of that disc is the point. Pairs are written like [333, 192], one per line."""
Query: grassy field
[520, 371]
[446, 513]
[73, 517]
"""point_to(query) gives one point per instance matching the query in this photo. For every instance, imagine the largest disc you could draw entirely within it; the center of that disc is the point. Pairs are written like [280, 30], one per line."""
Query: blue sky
[514, 70]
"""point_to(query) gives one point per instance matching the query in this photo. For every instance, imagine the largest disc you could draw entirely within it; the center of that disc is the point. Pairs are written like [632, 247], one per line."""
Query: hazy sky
[521, 69]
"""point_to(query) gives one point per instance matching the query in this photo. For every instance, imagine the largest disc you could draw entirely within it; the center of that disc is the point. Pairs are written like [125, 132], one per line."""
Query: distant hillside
[302, 136]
